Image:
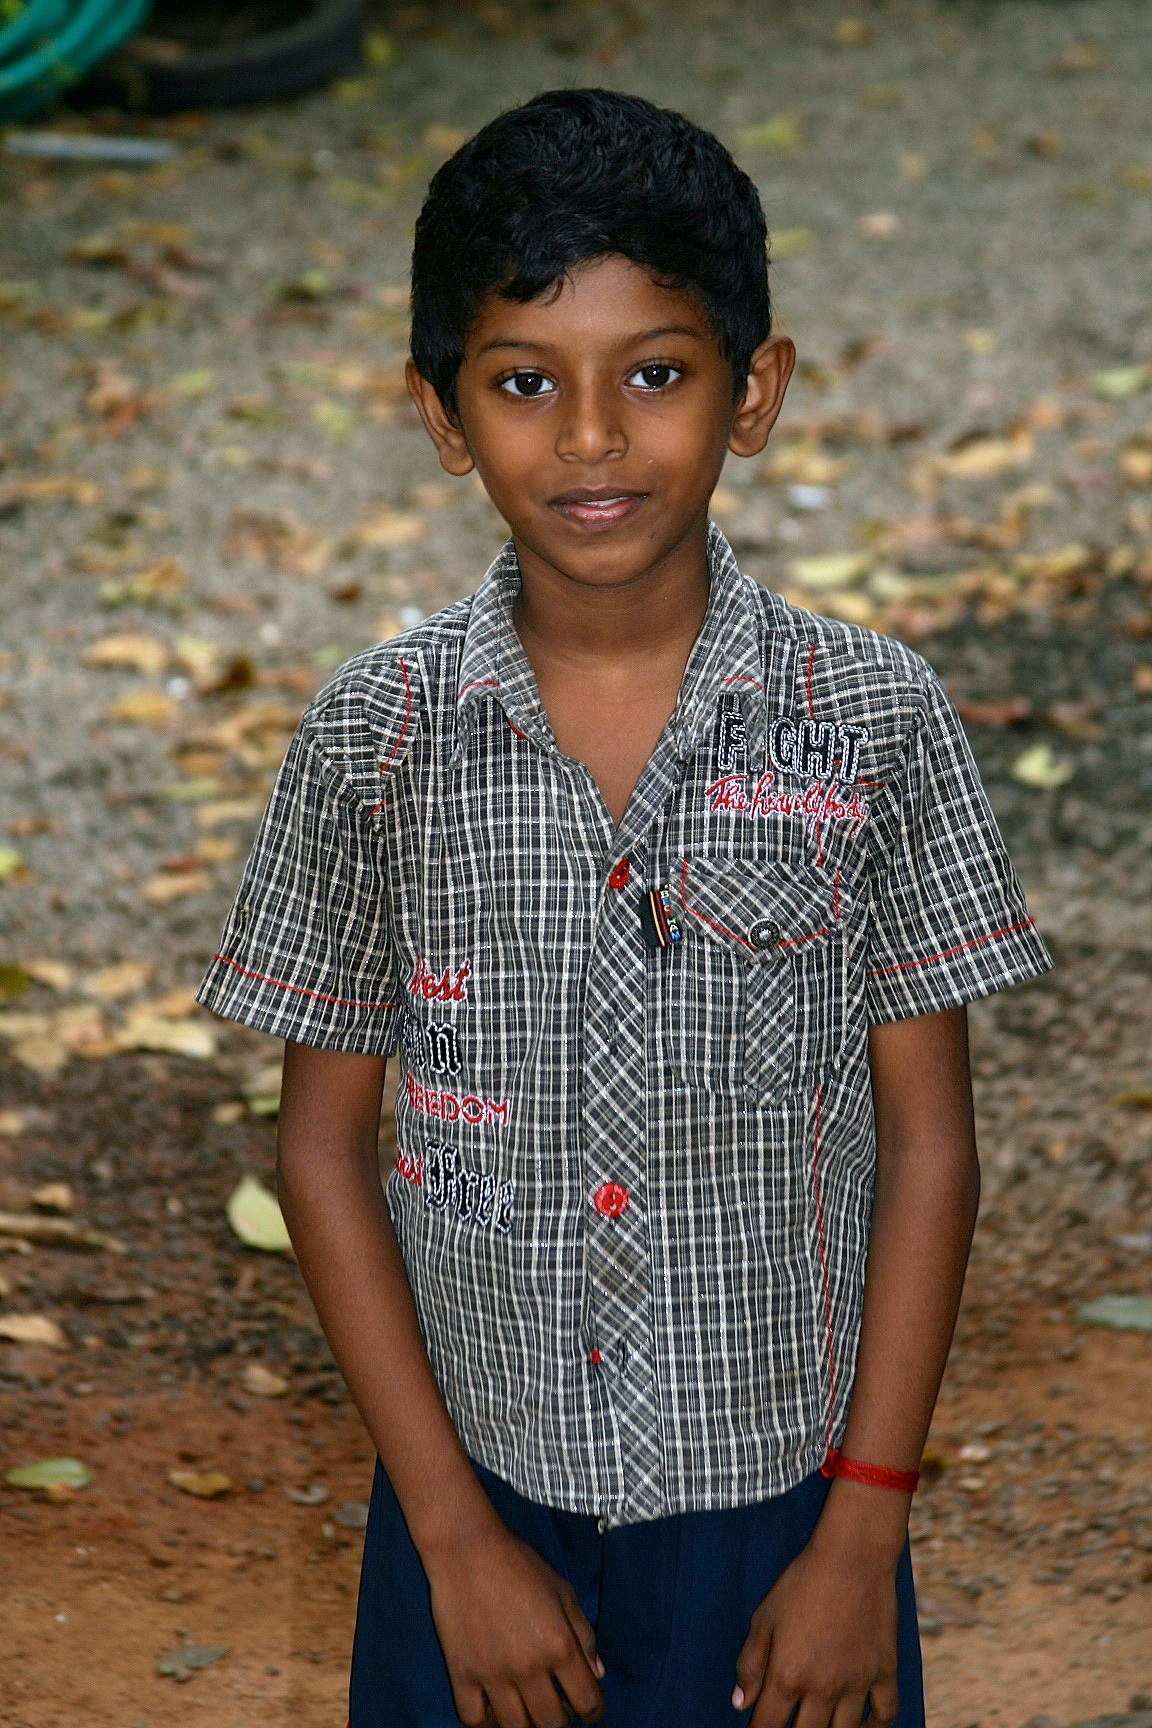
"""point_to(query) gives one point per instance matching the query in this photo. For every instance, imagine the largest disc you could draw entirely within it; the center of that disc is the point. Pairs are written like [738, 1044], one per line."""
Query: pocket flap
[757, 908]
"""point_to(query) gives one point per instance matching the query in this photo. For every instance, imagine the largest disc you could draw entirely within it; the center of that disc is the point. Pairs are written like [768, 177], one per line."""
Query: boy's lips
[598, 506]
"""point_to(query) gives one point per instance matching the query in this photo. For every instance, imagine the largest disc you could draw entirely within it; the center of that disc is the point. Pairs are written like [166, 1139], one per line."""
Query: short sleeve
[305, 954]
[949, 920]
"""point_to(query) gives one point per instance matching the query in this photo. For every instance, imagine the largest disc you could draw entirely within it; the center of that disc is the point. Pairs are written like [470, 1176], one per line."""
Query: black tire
[146, 77]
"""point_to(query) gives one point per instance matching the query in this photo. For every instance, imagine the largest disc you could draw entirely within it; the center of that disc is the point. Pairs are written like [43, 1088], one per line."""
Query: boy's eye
[528, 384]
[655, 376]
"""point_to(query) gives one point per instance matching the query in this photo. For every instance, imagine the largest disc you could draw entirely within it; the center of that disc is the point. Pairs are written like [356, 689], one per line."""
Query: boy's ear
[768, 375]
[448, 437]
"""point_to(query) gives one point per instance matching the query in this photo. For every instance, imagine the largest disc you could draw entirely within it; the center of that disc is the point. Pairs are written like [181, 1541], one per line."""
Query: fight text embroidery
[447, 1107]
[447, 987]
[816, 749]
[732, 744]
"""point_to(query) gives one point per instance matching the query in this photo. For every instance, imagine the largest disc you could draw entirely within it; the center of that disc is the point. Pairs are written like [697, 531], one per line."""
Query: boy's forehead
[608, 301]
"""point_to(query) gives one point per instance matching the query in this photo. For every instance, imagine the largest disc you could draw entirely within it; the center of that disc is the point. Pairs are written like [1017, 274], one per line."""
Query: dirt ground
[211, 491]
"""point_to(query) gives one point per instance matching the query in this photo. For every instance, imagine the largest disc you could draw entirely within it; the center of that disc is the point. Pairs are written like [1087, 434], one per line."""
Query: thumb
[752, 1663]
[582, 1627]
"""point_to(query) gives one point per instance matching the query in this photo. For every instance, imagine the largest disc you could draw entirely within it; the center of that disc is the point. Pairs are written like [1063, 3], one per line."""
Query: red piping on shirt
[823, 1271]
[478, 684]
[298, 989]
[808, 681]
[739, 678]
[960, 948]
[392, 754]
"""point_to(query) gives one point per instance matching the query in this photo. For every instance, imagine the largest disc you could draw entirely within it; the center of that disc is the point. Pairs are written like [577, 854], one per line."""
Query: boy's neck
[659, 609]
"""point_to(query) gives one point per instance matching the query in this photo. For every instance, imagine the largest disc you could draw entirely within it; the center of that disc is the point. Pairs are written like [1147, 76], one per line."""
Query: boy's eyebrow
[629, 342]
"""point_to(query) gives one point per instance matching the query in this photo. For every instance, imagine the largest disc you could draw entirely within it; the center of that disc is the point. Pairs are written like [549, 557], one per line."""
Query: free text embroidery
[474, 1196]
[447, 1107]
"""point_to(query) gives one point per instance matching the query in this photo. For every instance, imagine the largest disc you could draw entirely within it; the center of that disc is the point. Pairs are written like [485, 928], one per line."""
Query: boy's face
[598, 418]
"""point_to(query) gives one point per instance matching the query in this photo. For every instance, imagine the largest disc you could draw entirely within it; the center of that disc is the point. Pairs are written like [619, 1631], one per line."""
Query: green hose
[50, 44]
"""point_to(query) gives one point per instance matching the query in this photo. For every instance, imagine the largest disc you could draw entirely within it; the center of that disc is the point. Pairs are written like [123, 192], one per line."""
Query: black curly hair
[575, 175]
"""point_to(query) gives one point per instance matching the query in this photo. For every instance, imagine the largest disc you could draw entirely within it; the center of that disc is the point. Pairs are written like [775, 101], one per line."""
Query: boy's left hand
[823, 1642]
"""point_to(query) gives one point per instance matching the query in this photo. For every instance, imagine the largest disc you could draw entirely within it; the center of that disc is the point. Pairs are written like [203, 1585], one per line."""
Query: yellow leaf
[141, 708]
[387, 528]
[379, 50]
[191, 1038]
[831, 570]
[256, 1218]
[172, 885]
[789, 242]
[203, 1484]
[982, 458]
[1041, 769]
[54, 1197]
[11, 863]
[110, 983]
[1122, 382]
[56, 974]
[130, 651]
[781, 132]
[32, 1329]
[443, 140]
[197, 383]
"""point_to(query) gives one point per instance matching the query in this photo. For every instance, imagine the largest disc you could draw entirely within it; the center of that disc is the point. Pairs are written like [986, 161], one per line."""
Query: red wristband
[871, 1475]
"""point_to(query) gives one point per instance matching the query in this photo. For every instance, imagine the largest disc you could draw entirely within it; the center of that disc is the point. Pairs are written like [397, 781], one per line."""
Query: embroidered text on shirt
[435, 1046]
[817, 749]
[474, 1196]
[821, 802]
[733, 741]
[444, 988]
[447, 1107]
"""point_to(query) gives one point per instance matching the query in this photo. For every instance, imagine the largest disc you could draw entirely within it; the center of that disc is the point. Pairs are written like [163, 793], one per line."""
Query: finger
[885, 1701]
[507, 1707]
[816, 1710]
[849, 1712]
[775, 1706]
[751, 1664]
[545, 1707]
[471, 1704]
[578, 1684]
[582, 1627]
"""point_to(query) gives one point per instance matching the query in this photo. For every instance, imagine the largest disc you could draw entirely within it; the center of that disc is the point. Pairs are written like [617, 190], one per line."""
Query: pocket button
[764, 934]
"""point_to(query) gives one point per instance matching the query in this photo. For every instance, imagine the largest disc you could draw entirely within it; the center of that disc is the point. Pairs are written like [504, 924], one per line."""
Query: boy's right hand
[512, 1631]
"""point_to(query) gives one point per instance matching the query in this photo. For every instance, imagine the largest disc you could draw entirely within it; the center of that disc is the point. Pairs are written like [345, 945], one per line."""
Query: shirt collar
[727, 658]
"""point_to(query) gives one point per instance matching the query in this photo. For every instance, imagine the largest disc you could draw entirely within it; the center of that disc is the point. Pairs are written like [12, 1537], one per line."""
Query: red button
[610, 1199]
[619, 877]
[595, 1358]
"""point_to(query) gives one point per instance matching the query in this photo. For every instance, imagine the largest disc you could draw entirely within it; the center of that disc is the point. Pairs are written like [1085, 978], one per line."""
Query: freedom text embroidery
[447, 1107]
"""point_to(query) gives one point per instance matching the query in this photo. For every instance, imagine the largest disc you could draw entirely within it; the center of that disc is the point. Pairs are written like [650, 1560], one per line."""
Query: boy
[670, 896]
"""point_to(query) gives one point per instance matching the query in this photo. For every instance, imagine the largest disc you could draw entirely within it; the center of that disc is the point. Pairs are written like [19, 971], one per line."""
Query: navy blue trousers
[670, 1599]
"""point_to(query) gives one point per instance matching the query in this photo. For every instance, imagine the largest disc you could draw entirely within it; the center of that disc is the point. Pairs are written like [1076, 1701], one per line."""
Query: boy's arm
[507, 1624]
[824, 1639]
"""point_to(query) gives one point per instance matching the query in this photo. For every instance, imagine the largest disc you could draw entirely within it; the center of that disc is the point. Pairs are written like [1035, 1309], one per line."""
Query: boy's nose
[592, 430]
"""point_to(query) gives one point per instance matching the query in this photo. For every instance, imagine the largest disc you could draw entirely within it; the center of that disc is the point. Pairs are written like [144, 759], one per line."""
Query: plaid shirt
[635, 1128]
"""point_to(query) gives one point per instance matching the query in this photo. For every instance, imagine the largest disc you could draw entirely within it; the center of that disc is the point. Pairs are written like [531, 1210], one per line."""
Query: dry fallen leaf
[386, 528]
[32, 1329]
[12, 864]
[879, 225]
[49, 1473]
[128, 650]
[981, 457]
[781, 132]
[201, 1484]
[174, 885]
[55, 1232]
[41, 1053]
[191, 1038]
[53, 1197]
[56, 974]
[261, 1382]
[50, 489]
[124, 978]
[142, 708]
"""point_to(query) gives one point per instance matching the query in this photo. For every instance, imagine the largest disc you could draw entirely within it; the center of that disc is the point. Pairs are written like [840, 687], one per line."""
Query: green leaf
[256, 1218]
[49, 1473]
[1122, 1314]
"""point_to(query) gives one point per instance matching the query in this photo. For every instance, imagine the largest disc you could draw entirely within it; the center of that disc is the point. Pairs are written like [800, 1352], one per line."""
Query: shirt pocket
[761, 976]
